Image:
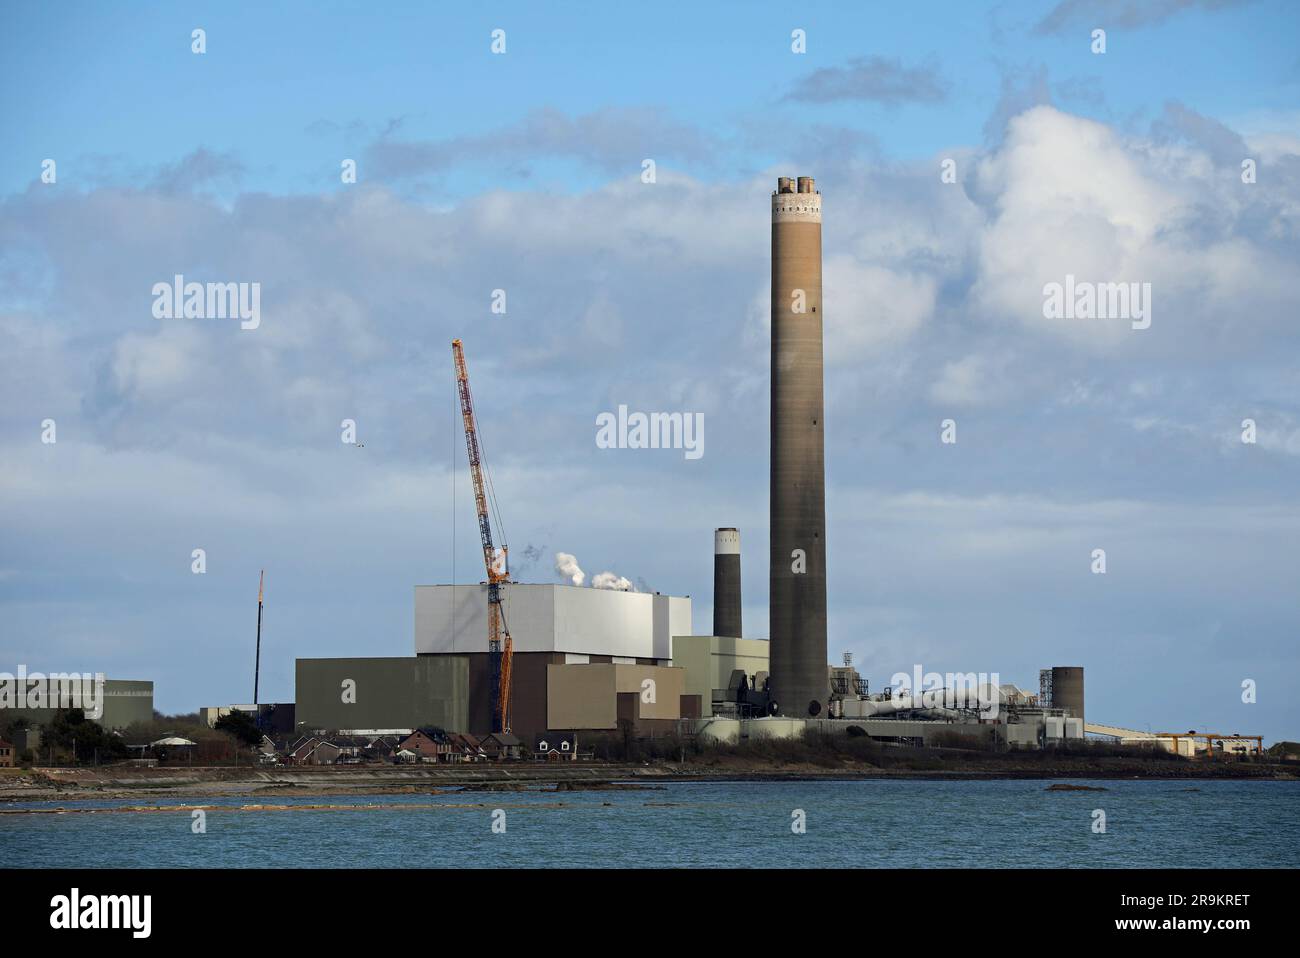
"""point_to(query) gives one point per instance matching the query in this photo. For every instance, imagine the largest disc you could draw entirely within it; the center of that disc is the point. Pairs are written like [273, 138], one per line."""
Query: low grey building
[124, 701]
[383, 694]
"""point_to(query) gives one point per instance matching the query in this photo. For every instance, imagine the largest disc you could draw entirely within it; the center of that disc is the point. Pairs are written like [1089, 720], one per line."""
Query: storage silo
[1067, 689]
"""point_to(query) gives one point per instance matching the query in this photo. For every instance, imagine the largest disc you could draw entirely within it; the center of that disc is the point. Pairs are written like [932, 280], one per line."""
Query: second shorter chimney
[726, 583]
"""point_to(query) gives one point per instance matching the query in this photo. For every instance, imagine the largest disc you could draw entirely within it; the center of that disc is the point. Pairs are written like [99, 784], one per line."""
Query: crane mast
[500, 647]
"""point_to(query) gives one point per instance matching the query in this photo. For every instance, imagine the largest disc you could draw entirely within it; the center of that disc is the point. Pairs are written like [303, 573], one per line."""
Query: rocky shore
[55, 785]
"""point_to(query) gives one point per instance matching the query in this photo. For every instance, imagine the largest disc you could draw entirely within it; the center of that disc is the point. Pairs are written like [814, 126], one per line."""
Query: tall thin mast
[257, 662]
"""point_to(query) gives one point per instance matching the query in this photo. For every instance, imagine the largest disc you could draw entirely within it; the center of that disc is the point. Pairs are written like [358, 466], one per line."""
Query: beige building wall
[580, 696]
[586, 696]
[669, 684]
[708, 661]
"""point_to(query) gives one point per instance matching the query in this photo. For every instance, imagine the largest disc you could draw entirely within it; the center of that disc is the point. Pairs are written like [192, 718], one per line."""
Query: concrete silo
[1067, 689]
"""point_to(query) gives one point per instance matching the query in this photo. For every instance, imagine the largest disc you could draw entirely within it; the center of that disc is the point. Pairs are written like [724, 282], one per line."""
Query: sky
[522, 171]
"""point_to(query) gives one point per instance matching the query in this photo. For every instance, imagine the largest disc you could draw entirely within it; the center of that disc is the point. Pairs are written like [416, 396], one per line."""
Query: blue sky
[521, 172]
[90, 85]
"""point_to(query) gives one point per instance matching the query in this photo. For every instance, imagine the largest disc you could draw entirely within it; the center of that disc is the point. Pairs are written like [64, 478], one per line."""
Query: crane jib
[499, 656]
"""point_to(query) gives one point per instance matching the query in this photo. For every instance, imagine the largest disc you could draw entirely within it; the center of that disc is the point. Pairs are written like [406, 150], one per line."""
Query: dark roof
[424, 733]
[505, 739]
[553, 740]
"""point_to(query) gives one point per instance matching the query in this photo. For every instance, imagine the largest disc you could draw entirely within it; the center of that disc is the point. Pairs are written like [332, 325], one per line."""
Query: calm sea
[848, 824]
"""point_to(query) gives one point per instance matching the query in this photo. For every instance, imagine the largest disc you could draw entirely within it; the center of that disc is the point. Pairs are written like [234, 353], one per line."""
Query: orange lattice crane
[500, 648]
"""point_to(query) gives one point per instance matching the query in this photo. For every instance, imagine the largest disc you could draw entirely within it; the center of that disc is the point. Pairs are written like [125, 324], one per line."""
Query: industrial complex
[502, 662]
[534, 660]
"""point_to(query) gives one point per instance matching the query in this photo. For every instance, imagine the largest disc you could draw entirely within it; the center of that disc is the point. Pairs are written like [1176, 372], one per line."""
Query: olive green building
[383, 694]
[123, 702]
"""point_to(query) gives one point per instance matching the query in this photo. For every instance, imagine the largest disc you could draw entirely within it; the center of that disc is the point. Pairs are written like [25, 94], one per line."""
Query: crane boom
[500, 646]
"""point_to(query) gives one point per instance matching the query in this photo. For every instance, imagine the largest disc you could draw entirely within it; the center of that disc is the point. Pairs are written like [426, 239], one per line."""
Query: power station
[797, 573]
[588, 660]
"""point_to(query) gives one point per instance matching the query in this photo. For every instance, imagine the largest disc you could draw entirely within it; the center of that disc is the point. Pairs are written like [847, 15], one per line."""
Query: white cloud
[1070, 196]
[155, 364]
[969, 381]
[870, 306]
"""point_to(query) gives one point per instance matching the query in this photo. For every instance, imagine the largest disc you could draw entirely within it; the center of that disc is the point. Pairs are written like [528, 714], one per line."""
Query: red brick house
[430, 745]
[501, 746]
[299, 750]
[464, 747]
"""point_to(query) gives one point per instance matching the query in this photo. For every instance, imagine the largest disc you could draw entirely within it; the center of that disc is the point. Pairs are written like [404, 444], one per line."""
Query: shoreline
[54, 785]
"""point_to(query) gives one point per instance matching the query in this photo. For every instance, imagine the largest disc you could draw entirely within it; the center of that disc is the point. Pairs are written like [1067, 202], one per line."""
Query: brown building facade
[597, 696]
[530, 696]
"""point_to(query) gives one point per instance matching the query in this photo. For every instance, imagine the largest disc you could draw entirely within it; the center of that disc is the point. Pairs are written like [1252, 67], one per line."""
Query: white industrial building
[629, 627]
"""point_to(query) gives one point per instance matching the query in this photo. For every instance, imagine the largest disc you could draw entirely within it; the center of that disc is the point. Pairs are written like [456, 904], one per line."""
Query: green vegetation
[80, 739]
[212, 746]
[9, 726]
[950, 752]
[242, 726]
[93, 744]
[814, 748]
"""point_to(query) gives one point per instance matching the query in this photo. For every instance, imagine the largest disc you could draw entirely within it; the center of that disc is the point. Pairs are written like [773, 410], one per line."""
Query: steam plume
[566, 567]
[608, 580]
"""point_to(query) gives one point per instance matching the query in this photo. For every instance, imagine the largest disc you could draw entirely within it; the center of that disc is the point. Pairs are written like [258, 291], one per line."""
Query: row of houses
[428, 745]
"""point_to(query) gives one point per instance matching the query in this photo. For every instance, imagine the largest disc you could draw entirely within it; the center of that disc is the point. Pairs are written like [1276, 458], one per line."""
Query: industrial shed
[388, 694]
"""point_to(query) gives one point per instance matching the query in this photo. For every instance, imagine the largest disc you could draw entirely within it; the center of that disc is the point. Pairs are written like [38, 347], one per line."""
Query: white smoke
[608, 580]
[566, 567]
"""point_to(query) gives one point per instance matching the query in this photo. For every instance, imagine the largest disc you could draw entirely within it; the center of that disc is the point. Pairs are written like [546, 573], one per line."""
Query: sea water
[819, 824]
